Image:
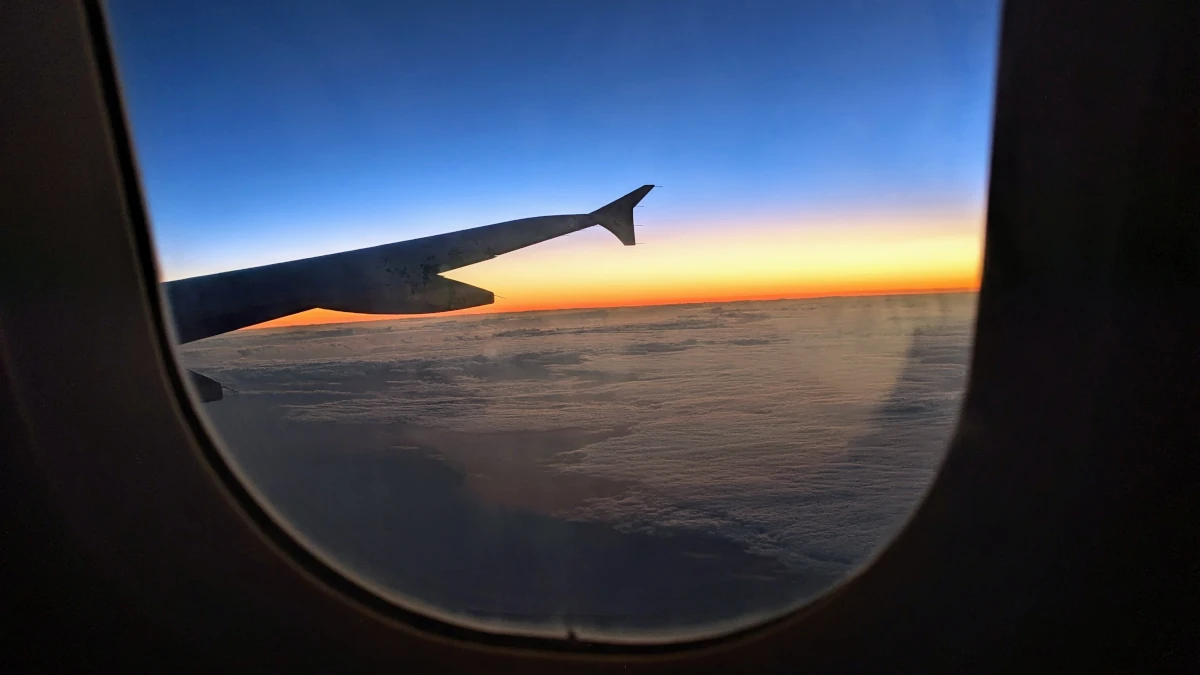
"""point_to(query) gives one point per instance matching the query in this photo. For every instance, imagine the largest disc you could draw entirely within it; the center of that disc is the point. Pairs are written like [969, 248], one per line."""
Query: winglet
[617, 217]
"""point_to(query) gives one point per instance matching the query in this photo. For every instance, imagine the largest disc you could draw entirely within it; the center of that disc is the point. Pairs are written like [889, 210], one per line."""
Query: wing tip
[617, 216]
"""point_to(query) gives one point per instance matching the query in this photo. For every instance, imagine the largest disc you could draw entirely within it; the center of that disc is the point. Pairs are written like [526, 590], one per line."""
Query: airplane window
[616, 320]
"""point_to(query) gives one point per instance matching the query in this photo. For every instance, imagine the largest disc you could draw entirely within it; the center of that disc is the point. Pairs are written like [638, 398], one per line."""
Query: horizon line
[469, 311]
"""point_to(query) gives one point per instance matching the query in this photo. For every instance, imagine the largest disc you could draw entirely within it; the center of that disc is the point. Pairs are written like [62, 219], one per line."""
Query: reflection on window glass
[656, 416]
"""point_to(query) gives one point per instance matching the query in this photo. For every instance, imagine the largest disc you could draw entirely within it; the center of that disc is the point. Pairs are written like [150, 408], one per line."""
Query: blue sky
[266, 131]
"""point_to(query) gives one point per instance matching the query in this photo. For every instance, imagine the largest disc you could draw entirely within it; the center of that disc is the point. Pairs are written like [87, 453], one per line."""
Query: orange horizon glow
[314, 317]
[938, 254]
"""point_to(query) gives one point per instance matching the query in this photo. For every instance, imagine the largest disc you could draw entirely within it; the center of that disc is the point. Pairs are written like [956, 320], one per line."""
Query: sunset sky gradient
[804, 149]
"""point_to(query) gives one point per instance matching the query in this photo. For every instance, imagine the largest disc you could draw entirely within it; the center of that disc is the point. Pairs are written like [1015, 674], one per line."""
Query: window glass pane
[624, 442]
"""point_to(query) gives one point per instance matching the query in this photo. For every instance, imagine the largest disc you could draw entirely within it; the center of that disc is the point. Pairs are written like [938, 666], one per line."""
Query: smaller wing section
[207, 389]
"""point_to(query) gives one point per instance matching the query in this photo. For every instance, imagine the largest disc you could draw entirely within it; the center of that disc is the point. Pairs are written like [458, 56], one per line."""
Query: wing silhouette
[399, 278]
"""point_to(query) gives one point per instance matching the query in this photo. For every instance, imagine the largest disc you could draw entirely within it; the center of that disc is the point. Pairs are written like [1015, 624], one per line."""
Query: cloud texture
[784, 439]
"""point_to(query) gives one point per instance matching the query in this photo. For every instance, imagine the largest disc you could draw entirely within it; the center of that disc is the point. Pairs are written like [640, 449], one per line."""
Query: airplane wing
[400, 278]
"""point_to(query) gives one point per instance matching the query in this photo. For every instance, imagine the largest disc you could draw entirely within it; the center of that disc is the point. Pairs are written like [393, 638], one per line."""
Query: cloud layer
[789, 436]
